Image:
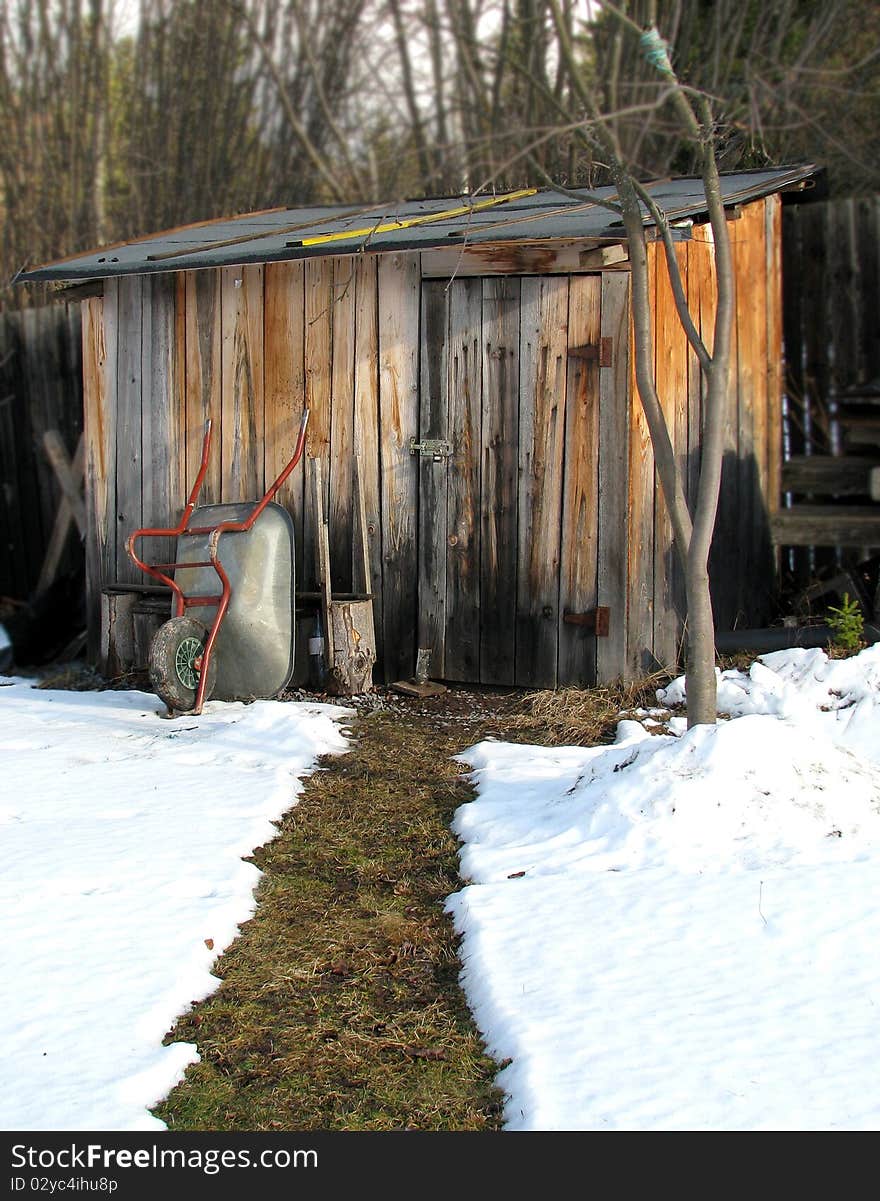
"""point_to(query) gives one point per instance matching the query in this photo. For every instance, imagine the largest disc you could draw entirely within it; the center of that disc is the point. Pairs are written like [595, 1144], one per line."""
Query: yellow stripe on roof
[389, 226]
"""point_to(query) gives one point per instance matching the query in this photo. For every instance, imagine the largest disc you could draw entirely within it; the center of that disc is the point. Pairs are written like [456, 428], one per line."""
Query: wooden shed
[475, 355]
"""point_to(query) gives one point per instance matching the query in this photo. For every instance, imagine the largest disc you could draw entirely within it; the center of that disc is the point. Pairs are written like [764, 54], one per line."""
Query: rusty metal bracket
[598, 620]
[431, 448]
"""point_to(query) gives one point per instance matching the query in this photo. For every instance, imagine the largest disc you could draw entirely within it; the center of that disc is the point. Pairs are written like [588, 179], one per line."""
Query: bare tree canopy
[198, 109]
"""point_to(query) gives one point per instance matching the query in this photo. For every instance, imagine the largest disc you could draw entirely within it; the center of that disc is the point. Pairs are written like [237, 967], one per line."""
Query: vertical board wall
[549, 502]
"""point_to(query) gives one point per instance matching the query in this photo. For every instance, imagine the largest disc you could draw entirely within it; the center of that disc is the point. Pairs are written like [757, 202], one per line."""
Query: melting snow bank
[122, 881]
[679, 931]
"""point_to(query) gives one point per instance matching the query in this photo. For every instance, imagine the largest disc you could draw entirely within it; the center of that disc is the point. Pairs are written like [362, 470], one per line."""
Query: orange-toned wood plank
[99, 326]
[671, 357]
[773, 276]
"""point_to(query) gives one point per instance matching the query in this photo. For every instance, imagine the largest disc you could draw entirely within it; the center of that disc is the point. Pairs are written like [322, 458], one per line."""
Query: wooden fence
[831, 271]
[831, 265]
[40, 390]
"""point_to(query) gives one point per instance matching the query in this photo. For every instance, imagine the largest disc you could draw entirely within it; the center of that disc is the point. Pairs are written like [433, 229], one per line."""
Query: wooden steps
[827, 525]
[828, 475]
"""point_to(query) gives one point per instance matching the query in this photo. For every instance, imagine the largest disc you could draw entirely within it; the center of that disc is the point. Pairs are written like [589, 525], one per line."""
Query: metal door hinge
[603, 353]
[431, 448]
[598, 620]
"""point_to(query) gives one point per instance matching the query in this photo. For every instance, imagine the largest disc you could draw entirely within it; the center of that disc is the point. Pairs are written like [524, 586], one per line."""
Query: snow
[680, 931]
[122, 880]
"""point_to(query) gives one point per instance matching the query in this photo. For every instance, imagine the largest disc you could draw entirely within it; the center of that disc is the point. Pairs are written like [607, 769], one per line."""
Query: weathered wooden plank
[828, 475]
[203, 378]
[755, 583]
[284, 392]
[775, 384]
[178, 400]
[68, 477]
[19, 514]
[542, 422]
[40, 367]
[671, 360]
[100, 323]
[814, 282]
[366, 423]
[615, 405]
[723, 563]
[242, 406]
[68, 514]
[341, 467]
[433, 495]
[640, 549]
[322, 554]
[696, 252]
[578, 582]
[827, 525]
[361, 567]
[398, 283]
[498, 501]
[792, 327]
[844, 294]
[318, 377]
[463, 496]
[129, 448]
[726, 548]
[162, 501]
[521, 258]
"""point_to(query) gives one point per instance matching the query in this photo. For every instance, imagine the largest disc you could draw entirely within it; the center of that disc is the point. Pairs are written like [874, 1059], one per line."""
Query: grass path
[339, 1006]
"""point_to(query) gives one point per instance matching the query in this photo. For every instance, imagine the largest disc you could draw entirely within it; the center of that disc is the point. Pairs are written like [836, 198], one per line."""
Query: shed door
[508, 521]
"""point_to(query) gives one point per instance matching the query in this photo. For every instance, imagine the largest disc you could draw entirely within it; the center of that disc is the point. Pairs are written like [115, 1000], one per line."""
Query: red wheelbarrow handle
[222, 601]
[213, 543]
[177, 530]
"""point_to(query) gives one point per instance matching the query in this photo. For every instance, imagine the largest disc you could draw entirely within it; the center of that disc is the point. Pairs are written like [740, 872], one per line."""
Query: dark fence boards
[832, 335]
[547, 505]
[831, 260]
[40, 389]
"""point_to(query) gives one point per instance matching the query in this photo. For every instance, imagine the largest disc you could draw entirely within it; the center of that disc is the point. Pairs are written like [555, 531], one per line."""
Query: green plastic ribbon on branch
[656, 49]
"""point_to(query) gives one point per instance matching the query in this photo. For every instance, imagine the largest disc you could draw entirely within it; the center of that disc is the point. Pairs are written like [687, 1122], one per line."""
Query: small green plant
[847, 623]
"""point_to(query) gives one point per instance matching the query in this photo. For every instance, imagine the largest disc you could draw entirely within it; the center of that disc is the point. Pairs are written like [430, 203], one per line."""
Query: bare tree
[53, 132]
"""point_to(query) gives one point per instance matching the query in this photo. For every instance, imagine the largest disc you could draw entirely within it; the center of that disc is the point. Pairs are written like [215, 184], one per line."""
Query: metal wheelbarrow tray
[232, 633]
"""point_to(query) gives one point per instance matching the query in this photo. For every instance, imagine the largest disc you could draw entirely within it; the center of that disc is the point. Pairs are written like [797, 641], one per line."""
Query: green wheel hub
[188, 651]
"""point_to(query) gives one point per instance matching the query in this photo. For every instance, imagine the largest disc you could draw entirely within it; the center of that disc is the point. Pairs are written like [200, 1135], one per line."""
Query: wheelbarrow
[232, 632]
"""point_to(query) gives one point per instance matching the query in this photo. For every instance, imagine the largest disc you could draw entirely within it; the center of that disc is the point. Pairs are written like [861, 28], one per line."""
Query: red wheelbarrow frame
[159, 571]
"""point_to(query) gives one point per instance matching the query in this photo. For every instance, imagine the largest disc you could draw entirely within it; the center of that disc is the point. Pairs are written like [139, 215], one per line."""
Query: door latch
[436, 449]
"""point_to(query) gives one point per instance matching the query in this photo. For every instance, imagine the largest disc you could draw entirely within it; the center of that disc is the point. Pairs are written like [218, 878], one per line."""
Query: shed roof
[282, 234]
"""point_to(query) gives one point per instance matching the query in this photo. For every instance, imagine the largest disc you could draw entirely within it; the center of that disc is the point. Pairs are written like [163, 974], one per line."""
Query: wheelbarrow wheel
[174, 652]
